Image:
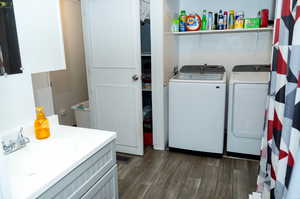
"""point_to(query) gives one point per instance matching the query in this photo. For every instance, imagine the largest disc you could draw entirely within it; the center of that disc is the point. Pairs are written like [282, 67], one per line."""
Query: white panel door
[112, 43]
[40, 34]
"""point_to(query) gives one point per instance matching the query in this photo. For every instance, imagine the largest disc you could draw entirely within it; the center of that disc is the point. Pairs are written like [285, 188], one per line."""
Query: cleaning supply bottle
[193, 22]
[216, 18]
[175, 25]
[225, 20]
[231, 20]
[210, 23]
[239, 22]
[204, 21]
[41, 124]
[182, 21]
[221, 21]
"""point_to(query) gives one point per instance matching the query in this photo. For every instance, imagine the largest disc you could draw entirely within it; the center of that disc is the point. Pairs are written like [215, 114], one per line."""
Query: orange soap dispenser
[41, 124]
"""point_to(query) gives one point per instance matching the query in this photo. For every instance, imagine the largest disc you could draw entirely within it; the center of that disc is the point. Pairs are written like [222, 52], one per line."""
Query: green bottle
[182, 21]
[204, 21]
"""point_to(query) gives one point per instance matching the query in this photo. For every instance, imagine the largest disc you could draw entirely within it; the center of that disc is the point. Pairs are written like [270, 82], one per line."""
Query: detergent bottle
[182, 21]
[193, 22]
[204, 21]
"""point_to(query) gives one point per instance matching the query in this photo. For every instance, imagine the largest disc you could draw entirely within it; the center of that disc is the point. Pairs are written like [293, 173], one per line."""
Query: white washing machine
[197, 109]
[248, 89]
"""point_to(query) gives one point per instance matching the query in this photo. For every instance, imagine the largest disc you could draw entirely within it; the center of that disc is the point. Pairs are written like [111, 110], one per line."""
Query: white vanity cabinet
[94, 178]
[40, 36]
[72, 163]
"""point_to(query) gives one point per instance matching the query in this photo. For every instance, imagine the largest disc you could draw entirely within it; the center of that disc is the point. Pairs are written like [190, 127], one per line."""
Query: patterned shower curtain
[282, 130]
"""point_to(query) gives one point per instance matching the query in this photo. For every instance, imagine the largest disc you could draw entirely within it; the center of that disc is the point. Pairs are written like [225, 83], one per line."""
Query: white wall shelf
[270, 28]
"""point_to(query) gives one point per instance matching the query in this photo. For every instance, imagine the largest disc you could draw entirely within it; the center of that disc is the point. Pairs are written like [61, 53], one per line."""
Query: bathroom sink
[42, 163]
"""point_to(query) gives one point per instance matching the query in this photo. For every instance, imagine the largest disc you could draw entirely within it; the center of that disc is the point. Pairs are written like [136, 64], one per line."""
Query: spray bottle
[231, 19]
[210, 21]
[204, 21]
[221, 21]
[225, 20]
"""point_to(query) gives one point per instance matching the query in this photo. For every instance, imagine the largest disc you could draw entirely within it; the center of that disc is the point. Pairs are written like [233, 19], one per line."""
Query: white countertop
[42, 163]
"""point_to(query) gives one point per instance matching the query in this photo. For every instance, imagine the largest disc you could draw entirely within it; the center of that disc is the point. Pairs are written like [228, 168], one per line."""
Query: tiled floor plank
[171, 175]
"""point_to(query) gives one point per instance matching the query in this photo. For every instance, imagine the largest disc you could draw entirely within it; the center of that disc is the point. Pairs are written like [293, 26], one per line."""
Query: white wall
[226, 49]
[16, 101]
[157, 32]
[170, 41]
[164, 58]
[171, 58]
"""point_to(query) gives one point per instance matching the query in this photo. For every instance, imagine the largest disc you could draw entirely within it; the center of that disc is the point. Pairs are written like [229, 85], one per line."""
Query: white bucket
[82, 114]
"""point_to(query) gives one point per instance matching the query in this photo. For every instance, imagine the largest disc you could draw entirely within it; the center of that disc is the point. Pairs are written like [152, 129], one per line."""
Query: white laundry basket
[82, 114]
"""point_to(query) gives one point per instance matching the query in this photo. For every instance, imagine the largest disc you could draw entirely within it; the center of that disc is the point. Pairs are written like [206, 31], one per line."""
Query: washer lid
[201, 73]
[251, 68]
[250, 77]
[202, 69]
[200, 76]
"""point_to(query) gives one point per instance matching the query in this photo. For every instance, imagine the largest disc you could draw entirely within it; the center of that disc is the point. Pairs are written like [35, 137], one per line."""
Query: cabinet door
[106, 187]
[4, 178]
[249, 125]
[40, 34]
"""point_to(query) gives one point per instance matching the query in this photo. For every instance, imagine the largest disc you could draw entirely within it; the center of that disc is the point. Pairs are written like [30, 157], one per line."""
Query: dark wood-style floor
[171, 175]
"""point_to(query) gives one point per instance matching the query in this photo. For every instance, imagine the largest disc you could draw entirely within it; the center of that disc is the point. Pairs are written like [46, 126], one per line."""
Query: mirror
[10, 60]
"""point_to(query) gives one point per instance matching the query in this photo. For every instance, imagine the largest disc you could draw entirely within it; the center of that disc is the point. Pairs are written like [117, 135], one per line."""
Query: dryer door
[249, 103]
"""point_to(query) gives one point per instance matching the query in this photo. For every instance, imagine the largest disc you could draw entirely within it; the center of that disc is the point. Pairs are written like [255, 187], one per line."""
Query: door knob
[135, 77]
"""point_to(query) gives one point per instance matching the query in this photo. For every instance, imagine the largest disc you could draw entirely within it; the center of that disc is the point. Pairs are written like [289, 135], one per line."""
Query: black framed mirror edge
[10, 58]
